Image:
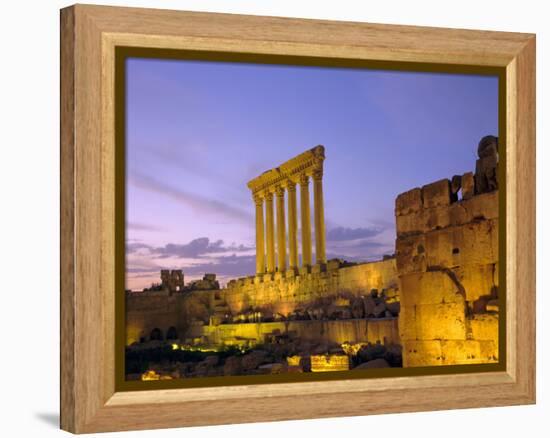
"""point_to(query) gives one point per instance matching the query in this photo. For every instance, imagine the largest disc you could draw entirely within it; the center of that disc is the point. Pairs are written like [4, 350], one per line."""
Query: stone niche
[447, 265]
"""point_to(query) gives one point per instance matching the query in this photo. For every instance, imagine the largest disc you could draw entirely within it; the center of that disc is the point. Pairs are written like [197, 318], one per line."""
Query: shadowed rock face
[488, 146]
[486, 176]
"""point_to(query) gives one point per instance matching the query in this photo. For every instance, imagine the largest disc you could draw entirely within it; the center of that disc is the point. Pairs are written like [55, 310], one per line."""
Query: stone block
[458, 214]
[410, 224]
[486, 178]
[457, 352]
[293, 360]
[209, 277]
[316, 268]
[477, 280]
[428, 288]
[407, 323]
[408, 202]
[333, 362]
[436, 218]
[437, 194]
[422, 353]
[441, 321]
[473, 243]
[493, 306]
[487, 146]
[483, 206]
[468, 185]
[484, 327]
[488, 351]
[410, 254]
[480, 242]
[443, 247]
[290, 273]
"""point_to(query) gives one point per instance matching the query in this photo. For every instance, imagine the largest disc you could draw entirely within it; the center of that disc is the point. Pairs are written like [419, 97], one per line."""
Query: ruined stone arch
[156, 335]
[171, 333]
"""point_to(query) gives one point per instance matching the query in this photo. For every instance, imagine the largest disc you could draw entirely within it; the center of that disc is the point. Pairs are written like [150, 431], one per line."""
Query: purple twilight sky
[197, 132]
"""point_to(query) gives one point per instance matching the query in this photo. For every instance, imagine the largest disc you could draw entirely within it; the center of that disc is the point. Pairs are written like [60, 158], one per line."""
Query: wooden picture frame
[90, 401]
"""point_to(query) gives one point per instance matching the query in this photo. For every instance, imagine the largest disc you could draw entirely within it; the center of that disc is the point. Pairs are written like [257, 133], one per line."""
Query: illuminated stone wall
[161, 310]
[284, 294]
[384, 331]
[148, 311]
[191, 313]
[447, 264]
[322, 363]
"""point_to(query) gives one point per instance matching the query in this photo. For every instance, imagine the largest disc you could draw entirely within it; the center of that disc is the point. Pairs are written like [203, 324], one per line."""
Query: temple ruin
[435, 302]
[276, 182]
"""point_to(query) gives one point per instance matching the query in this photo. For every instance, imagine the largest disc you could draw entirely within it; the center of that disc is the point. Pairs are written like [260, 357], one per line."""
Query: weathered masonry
[447, 263]
[437, 298]
[275, 183]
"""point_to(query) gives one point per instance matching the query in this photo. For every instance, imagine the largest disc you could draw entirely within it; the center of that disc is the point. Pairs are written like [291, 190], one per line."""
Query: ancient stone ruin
[279, 181]
[435, 302]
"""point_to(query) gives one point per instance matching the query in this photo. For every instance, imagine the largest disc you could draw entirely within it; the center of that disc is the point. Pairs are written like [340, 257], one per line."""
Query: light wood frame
[89, 35]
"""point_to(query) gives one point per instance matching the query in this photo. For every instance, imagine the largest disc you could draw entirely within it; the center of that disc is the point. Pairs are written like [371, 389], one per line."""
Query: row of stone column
[266, 239]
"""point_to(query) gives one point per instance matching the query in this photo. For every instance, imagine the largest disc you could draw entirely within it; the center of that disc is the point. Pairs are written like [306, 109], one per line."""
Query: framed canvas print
[260, 212]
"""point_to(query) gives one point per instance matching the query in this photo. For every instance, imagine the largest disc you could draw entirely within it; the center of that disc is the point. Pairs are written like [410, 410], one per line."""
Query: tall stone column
[292, 226]
[281, 229]
[270, 232]
[306, 220]
[260, 241]
[320, 245]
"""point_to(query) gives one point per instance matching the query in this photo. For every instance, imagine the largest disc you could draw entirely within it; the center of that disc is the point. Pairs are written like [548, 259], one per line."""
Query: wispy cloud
[196, 248]
[136, 226]
[360, 244]
[197, 202]
[228, 266]
[339, 234]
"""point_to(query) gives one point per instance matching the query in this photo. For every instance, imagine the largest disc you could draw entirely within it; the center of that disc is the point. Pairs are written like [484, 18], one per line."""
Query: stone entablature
[307, 163]
[275, 183]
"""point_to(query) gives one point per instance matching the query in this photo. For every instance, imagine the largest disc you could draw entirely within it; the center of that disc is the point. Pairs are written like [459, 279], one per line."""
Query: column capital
[280, 191]
[269, 196]
[304, 179]
[291, 186]
[317, 174]
[258, 199]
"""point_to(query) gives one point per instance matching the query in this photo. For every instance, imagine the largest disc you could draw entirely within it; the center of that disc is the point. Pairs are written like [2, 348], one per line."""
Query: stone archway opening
[172, 333]
[156, 335]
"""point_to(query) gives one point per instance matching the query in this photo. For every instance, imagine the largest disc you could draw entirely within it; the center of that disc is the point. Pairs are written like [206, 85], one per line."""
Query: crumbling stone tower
[172, 280]
[447, 264]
